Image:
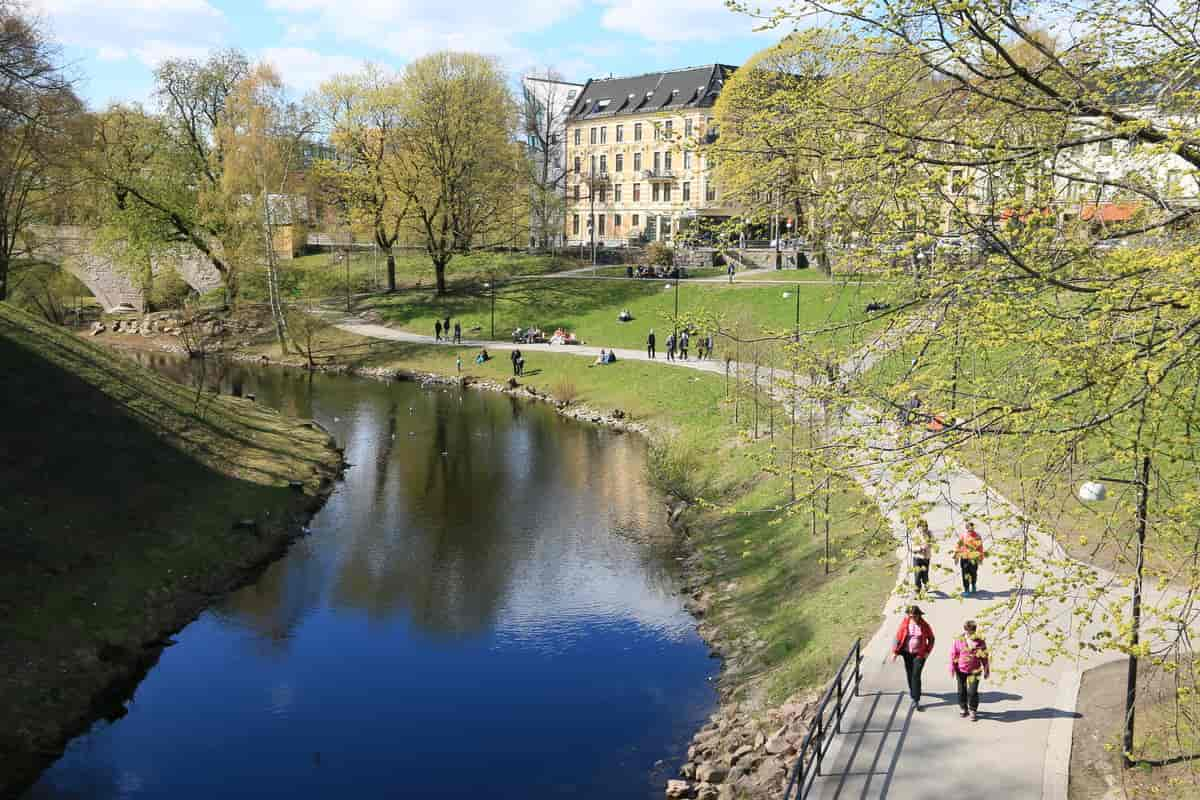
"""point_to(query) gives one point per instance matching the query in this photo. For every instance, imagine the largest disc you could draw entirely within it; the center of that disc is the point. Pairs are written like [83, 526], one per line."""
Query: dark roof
[694, 87]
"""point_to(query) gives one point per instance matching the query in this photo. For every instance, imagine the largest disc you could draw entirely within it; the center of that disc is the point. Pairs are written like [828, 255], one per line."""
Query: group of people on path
[441, 331]
[680, 345]
[914, 640]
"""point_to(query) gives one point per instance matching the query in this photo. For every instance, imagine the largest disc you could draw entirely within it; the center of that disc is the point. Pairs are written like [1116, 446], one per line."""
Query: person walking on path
[731, 272]
[708, 346]
[683, 345]
[970, 553]
[446, 327]
[515, 355]
[913, 643]
[650, 344]
[437, 330]
[922, 554]
[670, 347]
[458, 333]
[969, 663]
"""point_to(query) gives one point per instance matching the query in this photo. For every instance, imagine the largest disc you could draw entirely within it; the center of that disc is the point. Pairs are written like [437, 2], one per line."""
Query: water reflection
[490, 593]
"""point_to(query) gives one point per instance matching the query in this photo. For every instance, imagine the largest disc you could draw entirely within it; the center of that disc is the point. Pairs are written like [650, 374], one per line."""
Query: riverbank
[757, 577]
[131, 503]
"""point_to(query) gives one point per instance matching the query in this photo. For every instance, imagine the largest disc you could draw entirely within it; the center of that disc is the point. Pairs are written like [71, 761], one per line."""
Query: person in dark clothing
[446, 327]
[458, 333]
[683, 345]
[670, 347]
[515, 355]
[437, 330]
[650, 344]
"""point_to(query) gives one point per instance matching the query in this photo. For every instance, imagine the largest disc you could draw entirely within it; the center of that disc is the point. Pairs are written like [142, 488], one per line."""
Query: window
[575, 224]
[616, 192]
[578, 131]
[667, 161]
[572, 94]
[657, 162]
[657, 131]
[616, 222]
[578, 163]
[603, 164]
[637, 192]
[620, 162]
[666, 192]
[620, 133]
[592, 135]
[604, 134]
[1106, 147]
[602, 194]
[687, 159]
[687, 127]
[710, 192]
[637, 131]
[687, 191]
[577, 191]
[634, 221]
[654, 191]
[601, 218]
[637, 162]
[667, 128]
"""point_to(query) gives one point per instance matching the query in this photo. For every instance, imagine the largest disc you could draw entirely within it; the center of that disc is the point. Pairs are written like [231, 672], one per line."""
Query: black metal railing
[829, 713]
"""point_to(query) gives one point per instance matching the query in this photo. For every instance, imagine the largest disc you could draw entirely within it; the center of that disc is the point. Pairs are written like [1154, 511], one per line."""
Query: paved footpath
[1020, 748]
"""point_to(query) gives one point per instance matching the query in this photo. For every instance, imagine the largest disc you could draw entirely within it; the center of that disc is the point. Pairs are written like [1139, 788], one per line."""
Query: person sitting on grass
[600, 359]
[483, 356]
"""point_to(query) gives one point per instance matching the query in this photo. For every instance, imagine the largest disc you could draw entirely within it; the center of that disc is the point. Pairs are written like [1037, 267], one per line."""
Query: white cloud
[305, 69]
[411, 28]
[149, 30]
[675, 20]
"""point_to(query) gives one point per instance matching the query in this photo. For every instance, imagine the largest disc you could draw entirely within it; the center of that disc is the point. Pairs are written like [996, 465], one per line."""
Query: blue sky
[113, 45]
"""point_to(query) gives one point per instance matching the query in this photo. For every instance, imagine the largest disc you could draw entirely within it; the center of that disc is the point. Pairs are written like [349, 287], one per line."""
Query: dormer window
[602, 104]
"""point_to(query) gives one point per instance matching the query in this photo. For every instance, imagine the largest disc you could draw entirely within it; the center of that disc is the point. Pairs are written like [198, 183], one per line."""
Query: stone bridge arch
[73, 247]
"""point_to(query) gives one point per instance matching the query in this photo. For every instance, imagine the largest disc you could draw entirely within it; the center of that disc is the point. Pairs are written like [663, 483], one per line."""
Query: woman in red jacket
[914, 643]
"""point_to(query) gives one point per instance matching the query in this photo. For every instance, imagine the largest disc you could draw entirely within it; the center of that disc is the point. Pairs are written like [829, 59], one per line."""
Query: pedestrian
[708, 346]
[731, 272]
[515, 355]
[969, 663]
[683, 345]
[970, 553]
[922, 554]
[521, 364]
[458, 363]
[914, 643]
[437, 330]
[446, 326]
[650, 344]
[458, 333]
[670, 347]
[910, 407]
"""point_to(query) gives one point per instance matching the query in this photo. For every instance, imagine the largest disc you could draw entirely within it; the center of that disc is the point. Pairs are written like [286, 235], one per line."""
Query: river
[487, 606]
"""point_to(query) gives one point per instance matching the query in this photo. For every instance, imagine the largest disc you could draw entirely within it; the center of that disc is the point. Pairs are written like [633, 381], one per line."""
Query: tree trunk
[439, 271]
[391, 267]
[3, 276]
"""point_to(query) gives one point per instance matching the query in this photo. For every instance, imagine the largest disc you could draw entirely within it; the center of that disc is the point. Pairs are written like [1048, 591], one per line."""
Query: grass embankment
[590, 308]
[117, 522]
[785, 623]
[324, 274]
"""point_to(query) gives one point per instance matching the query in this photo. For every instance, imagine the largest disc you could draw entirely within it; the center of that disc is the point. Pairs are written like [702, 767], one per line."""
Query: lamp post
[1094, 491]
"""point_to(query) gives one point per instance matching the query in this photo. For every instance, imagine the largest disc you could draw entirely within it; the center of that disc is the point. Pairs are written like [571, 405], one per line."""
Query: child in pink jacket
[968, 663]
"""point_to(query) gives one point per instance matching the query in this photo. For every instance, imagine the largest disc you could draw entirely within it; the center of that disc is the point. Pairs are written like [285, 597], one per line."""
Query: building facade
[636, 168]
[547, 102]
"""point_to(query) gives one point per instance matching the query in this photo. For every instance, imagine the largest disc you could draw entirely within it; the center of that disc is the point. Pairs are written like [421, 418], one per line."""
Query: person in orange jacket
[913, 643]
[970, 553]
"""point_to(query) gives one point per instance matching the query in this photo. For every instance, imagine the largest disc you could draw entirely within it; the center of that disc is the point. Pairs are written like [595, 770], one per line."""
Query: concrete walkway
[1020, 748]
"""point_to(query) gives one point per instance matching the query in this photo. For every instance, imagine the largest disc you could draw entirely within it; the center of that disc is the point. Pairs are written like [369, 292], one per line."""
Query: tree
[162, 173]
[363, 114]
[38, 116]
[454, 160]
[544, 110]
[261, 136]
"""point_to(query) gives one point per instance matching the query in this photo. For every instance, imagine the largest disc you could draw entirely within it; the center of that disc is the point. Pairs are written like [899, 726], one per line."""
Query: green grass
[590, 308]
[324, 274]
[121, 490]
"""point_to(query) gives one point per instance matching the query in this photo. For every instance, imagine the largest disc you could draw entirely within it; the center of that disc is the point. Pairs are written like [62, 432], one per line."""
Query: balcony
[658, 175]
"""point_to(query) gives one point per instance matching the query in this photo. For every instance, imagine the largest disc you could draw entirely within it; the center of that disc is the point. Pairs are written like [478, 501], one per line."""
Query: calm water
[487, 607]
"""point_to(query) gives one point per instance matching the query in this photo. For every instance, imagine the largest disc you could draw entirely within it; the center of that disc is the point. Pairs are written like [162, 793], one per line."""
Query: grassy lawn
[766, 570]
[590, 308]
[324, 274]
[117, 519]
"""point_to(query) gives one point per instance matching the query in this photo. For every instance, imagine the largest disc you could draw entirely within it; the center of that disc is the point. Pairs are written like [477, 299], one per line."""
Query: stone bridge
[112, 284]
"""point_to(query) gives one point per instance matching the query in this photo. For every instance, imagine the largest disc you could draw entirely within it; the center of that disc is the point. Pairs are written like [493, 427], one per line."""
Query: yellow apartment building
[635, 157]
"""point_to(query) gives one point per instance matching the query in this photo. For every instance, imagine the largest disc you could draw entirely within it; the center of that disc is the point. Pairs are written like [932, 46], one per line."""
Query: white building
[547, 101]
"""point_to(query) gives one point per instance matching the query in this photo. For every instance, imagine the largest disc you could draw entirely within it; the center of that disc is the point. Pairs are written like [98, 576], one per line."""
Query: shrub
[660, 254]
[676, 468]
[169, 290]
[566, 392]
